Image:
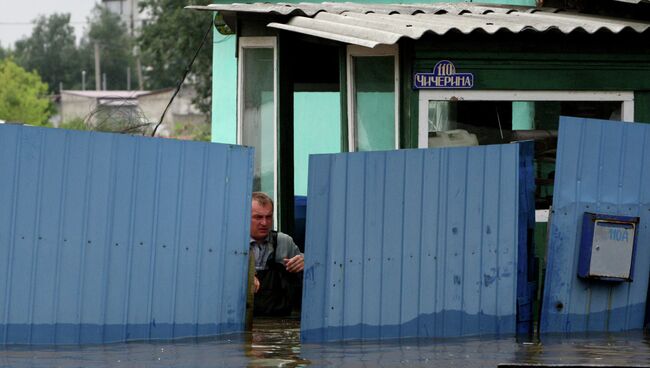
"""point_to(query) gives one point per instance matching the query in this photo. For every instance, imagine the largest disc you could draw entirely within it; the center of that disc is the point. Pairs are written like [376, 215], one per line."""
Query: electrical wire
[180, 83]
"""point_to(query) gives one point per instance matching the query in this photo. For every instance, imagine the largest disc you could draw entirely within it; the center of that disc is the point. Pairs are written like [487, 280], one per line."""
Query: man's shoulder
[282, 237]
[285, 243]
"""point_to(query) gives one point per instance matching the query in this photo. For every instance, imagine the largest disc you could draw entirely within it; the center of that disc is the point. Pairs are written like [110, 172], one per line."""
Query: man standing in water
[278, 262]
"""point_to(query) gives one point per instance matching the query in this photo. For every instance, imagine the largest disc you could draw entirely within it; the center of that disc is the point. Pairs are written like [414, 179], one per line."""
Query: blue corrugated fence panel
[412, 243]
[107, 237]
[602, 167]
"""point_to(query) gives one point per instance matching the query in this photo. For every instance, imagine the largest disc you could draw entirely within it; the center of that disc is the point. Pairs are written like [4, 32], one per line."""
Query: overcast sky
[16, 16]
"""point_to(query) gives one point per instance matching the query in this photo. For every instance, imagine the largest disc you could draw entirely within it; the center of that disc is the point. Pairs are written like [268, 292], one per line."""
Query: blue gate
[417, 243]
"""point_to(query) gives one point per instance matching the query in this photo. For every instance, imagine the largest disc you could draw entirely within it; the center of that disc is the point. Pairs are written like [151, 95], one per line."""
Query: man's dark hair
[262, 198]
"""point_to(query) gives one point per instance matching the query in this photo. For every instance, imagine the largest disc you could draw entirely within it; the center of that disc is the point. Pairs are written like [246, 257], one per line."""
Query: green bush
[23, 95]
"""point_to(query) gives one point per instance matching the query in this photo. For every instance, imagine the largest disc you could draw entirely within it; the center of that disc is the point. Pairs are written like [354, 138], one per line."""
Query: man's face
[261, 220]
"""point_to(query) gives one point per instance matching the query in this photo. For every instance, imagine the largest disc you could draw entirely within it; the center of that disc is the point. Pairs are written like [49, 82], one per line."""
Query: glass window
[374, 100]
[257, 113]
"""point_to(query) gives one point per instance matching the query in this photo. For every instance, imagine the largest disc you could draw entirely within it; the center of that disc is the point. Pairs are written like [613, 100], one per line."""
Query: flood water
[276, 343]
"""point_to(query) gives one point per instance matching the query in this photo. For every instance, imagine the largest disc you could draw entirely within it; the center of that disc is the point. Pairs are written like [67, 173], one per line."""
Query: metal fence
[108, 237]
[415, 243]
[602, 167]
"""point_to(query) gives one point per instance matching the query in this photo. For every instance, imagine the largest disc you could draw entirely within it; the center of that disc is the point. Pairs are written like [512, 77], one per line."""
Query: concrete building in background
[144, 107]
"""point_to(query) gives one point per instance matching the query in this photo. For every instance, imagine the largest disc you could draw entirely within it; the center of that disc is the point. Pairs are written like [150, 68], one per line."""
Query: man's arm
[293, 260]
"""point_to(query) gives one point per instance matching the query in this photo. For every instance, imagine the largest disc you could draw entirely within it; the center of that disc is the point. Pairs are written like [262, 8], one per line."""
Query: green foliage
[4, 53]
[115, 49]
[51, 51]
[23, 95]
[197, 131]
[75, 124]
[168, 42]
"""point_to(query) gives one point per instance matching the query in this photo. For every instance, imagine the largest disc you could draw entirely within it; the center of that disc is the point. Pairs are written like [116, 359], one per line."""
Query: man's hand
[256, 284]
[295, 264]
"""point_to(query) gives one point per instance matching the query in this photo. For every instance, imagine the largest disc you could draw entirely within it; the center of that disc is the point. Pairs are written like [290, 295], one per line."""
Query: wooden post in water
[250, 295]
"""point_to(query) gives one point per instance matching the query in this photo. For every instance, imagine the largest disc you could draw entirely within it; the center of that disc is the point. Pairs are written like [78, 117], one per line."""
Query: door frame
[259, 42]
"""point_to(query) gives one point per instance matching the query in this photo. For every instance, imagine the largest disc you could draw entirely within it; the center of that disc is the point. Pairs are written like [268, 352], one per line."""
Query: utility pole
[139, 71]
[138, 67]
[136, 50]
[132, 15]
[128, 78]
[83, 80]
[97, 70]
[104, 82]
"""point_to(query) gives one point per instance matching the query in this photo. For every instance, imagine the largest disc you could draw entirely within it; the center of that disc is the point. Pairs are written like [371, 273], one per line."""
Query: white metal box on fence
[607, 247]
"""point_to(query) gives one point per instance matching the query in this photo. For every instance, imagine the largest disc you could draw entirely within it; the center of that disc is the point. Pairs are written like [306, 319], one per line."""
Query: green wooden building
[297, 79]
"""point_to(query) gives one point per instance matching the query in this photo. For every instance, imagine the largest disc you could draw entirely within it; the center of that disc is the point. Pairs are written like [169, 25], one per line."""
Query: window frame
[624, 97]
[262, 43]
[356, 51]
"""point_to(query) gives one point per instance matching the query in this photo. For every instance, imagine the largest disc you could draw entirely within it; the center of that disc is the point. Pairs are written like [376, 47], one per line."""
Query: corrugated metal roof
[602, 167]
[374, 24]
[107, 237]
[413, 243]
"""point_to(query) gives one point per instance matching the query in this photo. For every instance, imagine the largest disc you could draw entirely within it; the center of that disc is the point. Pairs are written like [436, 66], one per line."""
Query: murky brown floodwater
[276, 343]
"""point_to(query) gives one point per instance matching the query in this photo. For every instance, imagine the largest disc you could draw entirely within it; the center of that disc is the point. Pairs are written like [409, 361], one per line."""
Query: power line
[185, 73]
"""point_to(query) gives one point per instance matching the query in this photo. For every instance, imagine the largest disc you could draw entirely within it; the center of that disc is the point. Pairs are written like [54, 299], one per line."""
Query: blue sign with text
[444, 76]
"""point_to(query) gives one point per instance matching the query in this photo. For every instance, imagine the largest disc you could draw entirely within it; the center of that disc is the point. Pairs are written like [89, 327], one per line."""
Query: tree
[115, 47]
[51, 51]
[4, 53]
[23, 95]
[169, 40]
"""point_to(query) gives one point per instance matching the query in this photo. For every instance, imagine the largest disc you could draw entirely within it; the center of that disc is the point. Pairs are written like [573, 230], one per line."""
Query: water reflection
[613, 350]
[276, 343]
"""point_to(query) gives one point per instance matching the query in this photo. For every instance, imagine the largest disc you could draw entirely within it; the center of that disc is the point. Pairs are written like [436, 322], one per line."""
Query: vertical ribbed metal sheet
[602, 167]
[412, 243]
[107, 237]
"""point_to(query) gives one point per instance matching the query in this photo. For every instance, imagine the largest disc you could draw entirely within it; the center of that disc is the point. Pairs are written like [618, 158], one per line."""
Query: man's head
[261, 216]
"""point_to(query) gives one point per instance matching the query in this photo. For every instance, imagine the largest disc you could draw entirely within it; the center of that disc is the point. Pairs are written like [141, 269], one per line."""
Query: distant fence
[602, 167]
[108, 237]
[417, 243]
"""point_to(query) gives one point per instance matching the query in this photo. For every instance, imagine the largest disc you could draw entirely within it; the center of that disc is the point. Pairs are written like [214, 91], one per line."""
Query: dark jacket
[280, 291]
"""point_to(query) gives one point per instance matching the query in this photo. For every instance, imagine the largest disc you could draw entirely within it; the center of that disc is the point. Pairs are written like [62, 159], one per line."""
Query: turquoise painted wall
[314, 132]
[523, 115]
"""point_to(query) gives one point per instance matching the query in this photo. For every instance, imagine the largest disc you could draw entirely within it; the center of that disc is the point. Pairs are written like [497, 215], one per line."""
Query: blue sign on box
[444, 76]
